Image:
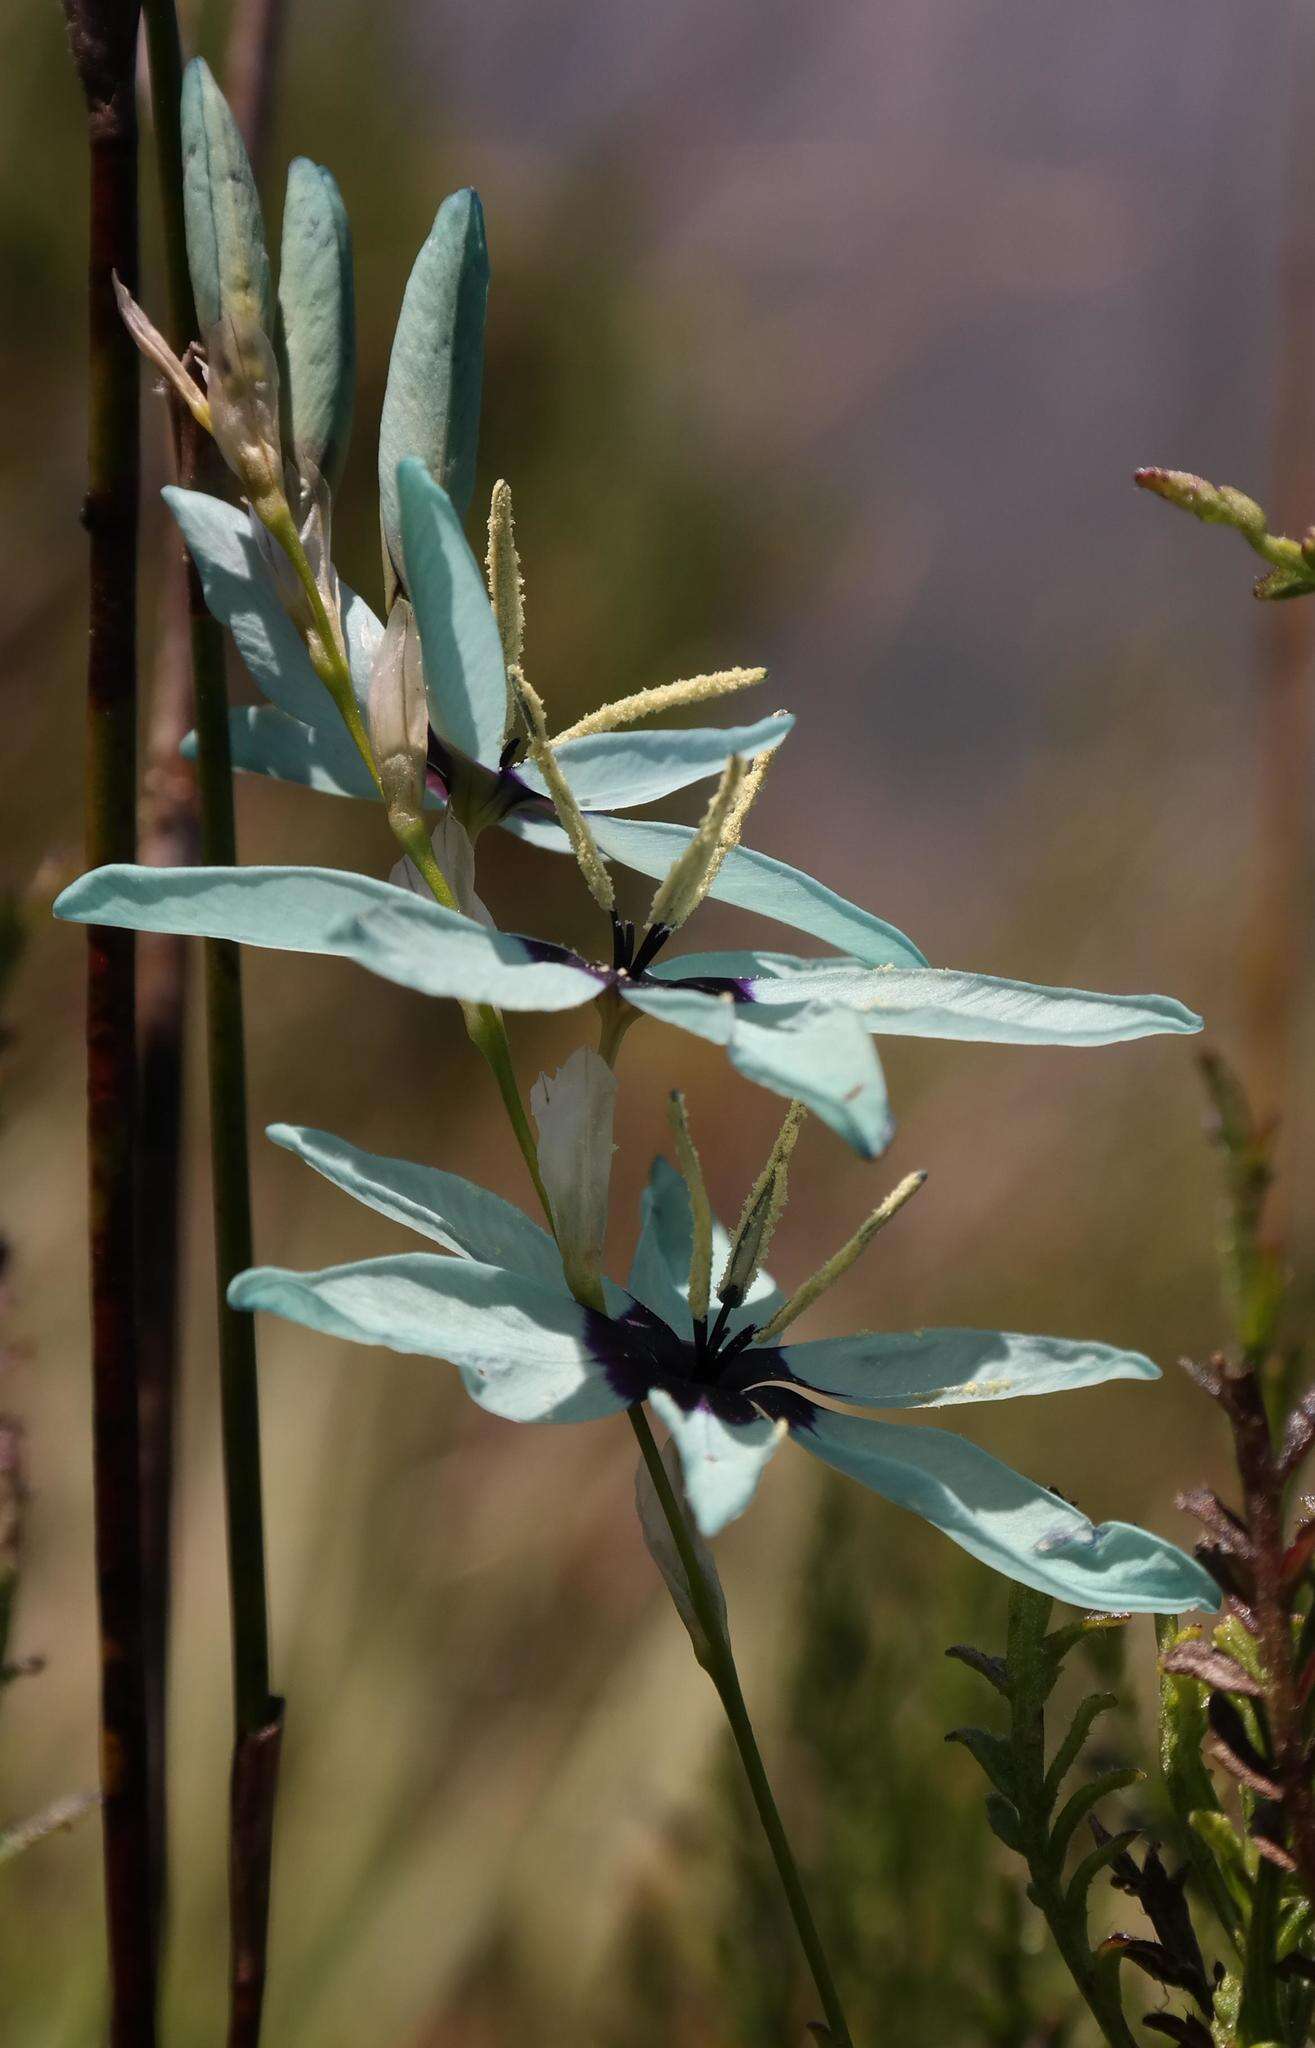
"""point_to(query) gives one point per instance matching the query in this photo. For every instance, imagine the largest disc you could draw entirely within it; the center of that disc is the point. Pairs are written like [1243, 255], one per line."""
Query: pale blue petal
[822, 1056]
[265, 741]
[465, 676]
[749, 880]
[328, 910]
[940, 1002]
[936, 1368]
[1007, 1521]
[420, 946]
[659, 1273]
[615, 769]
[455, 1212]
[241, 593]
[721, 1462]
[522, 1351]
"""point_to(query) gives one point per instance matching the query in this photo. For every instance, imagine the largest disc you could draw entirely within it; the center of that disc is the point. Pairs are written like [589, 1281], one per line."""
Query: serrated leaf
[1080, 1804]
[992, 1754]
[436, 370]
[1002, 1816]
[1096, 1860]
[993, 1669]
[1070, 1748]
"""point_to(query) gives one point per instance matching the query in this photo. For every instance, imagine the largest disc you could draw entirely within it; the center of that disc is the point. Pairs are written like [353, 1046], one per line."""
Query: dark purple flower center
[736, 1379]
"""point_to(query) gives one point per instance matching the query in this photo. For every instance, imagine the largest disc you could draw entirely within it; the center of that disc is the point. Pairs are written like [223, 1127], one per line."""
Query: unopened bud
[226, 251]
[399, 715]
[244, 409]
[1216, 504]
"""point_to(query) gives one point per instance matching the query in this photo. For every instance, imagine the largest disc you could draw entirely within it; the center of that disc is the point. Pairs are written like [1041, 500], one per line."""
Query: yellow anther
[691, 876]
[804, 1297]
[583, 845]
[506, 589]
[761, 1213]
[662, 697]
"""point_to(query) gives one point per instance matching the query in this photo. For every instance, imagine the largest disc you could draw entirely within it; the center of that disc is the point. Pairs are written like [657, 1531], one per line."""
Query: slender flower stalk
[257, 1715]
[103, 38]
[724, 1675]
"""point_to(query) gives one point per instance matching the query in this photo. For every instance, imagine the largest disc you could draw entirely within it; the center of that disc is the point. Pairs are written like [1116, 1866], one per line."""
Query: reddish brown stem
[103, 38]
[1262, 1494]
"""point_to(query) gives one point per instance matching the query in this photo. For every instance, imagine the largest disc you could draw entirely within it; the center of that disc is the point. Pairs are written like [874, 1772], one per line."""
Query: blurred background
[826, 338]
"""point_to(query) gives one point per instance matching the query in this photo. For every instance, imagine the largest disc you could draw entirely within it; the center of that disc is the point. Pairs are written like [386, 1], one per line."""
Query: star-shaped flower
[527, 1350]
[802, 1028]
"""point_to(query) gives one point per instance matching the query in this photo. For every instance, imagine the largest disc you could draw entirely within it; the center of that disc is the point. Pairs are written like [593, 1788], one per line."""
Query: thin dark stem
[257, 1715]
[1243, 1399]
[254, 46]
[103, 37]
[168, 839]
[726, 1678]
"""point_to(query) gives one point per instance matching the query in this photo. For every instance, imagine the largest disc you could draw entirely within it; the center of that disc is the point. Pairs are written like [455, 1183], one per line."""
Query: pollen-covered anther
[662, 697]
[583, 845]
[761, 1213]
[506, 591]
[840, 1262]
[691, 877]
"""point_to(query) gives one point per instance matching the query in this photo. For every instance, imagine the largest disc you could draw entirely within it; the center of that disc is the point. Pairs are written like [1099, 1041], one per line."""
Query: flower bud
[399, 716]
[244, 408]
[226, 251]
[452, 849]
[574, 1111]
[316, 323]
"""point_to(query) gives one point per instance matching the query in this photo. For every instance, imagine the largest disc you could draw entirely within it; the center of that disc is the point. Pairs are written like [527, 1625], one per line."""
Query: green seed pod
[316, 337]
[225, 234]
[431, 404]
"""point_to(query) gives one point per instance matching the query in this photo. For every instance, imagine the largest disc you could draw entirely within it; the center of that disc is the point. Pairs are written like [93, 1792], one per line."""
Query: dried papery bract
[574, 1110]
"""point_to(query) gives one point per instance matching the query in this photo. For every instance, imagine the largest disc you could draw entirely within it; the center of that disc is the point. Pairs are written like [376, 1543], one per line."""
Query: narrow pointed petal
[436, 369]
[521, 1350]
[722, 1461]
[316, 335]
[454, 1212]
[940, 1002]
[265, 741]
[659, 1272]
[465, 676]
[1007, 1521]
[821, 1056]
[241, 593]
[751, 881]
[937, 1368]
[611, 770]
[328, 910]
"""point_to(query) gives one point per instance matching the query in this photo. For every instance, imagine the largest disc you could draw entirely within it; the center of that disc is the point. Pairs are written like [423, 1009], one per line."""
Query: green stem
[726, 1678]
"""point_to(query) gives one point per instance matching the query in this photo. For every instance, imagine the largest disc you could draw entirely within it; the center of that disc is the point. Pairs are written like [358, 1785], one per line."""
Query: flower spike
[691, 877]
[663, 697]
[840, 1262]
[583, 844]
[761, 1214]
[691, 1168]
[506, 591]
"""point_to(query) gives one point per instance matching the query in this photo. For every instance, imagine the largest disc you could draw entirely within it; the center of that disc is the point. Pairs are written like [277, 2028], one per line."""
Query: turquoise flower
[802, 1028]
[527, 1350]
